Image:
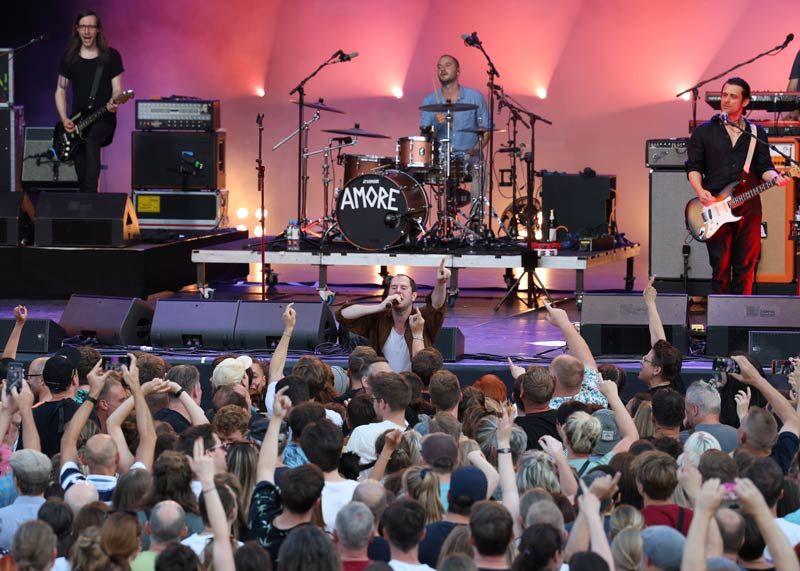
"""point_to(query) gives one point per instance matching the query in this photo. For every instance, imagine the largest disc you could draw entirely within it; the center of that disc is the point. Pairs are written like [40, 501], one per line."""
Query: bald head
[167, 522]
[101, 453]
[568, 371]
[35, 375]
[373, 494]
[80, 494]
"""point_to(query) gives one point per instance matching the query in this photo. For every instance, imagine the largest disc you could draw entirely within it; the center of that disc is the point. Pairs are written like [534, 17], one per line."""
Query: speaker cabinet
[777, 251]
[101, 219]
[582, 203]
[260, 325]
[773, 345]
[110, 320]
[12, 124]
[38, 335]
[732, 317]
[178, 160]
[40, 168]
[617, 324]
[450, 343]
[194, 324]
[16, 219]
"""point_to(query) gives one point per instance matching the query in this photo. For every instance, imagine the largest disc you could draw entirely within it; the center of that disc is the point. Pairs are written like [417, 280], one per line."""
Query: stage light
[687, 96]
[260, 92]
[242, 213]
[257, 231]
[258, 214]
[397, 92]
[541, 93]
[241, 228]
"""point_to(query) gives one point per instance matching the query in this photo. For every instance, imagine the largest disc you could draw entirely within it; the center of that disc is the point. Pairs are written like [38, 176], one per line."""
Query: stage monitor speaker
[767, 346]
[41, 170]
[669, 240]
[12, 123]
[617, 324]
[178, 160]
[450, 343]
[260, 325]
[187, 323]
[730, 319]
[38, 335]
[110, 320]
[94, 219]
[16, 219]
[582, 203]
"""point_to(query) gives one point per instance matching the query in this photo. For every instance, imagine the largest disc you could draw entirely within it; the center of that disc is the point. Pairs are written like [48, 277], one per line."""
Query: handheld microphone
[471, 39]
[347, 57]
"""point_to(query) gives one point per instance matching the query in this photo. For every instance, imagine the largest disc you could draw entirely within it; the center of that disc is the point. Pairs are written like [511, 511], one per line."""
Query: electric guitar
[704, 221]
[64, 144]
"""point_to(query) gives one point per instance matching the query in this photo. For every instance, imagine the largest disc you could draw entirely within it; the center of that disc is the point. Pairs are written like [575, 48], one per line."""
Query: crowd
[106, 469]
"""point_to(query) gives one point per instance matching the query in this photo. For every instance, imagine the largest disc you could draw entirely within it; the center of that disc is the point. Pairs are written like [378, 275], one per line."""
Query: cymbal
[356, 131]
[482, 130]
[320, 106]
[444, 107]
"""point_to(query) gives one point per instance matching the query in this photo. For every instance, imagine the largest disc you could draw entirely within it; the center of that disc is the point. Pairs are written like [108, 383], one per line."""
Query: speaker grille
[82, 232]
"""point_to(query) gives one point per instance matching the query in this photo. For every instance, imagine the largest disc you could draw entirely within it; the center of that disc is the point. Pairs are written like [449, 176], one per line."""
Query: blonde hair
[582, 431]
[695, 446]
[422, 484]
[624, 516]
[643, 419]
[465, 446]
[537, 470]
[627, 549]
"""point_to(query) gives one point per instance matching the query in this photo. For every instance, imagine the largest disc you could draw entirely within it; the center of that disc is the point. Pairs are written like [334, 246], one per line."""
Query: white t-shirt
[335, 495]
[197, 542]
[396, 352]
[362, 439]
[790, 530]
[402, 566]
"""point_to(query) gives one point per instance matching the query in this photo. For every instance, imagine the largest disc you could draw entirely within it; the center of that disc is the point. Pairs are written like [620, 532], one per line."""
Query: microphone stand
[27, 44]
[514, 118]
[260, 171]
[695, 89]
[302, 140]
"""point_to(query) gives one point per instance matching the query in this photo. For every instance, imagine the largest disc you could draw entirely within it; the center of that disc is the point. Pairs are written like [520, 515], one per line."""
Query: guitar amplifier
[666, 153]
[178, 160]
[177, 115]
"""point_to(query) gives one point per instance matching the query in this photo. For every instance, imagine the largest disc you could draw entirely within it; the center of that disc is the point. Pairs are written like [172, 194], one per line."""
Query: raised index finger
[650, 280]
[441, 264]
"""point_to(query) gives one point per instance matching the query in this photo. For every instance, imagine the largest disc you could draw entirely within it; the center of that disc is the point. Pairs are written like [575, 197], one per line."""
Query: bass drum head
[375, 212]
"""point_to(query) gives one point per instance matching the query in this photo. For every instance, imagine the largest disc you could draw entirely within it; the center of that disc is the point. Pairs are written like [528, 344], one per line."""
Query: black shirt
[538, 424]
[50, 419]
[81, 73]
[431, 545]
[175, 419]
[711, 154]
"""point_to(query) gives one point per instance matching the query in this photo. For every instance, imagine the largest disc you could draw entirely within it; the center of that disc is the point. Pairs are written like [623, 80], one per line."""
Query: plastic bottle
[293, 236]
[551, 227]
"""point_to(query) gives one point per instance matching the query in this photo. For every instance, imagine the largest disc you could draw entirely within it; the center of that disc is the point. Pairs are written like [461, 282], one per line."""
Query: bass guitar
[704, 221]
[64, 144]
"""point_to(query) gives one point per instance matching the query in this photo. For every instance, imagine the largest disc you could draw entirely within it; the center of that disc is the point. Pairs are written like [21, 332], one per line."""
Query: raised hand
[282, 405]
[551, 446]
[515, 370]
[131, 374]
[97, 378]
[588, 503]
[22, 396]
[607, 388]
[750, 498]
[391, 300]
[557, 316]
[505, 426]
[443, 273]
[690, 479]
[605, 487]
[748, 373]
[416, 322]
[20, 314]
[392, 440]
[742, 399]
[289, 317]
[650, 292]
[202, 464]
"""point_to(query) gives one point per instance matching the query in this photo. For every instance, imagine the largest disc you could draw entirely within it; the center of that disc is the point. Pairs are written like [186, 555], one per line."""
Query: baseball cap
[230, 371]
[609, 432]
[31, 466]
[468, 482]
[58, 372]
[664, 546]
[440, 450]
[72, 354]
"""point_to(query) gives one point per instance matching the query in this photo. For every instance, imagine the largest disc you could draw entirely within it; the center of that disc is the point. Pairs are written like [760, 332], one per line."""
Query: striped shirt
[71, 474]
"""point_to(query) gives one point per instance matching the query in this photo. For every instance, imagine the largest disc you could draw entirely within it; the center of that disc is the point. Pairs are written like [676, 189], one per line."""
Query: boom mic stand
[260, 171]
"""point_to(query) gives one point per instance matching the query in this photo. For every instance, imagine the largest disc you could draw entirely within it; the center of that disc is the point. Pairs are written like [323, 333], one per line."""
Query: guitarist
[716, 157]
[95, 71]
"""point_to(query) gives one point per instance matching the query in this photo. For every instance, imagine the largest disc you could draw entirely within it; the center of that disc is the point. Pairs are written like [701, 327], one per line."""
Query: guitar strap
[752, 150]
[95, 84]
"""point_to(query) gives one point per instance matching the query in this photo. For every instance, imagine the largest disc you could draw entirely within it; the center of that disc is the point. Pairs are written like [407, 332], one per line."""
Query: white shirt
[362, 439]
[790, 530]
[197, 542]
[396, 352]
[402, 566]
[269, 401]
[335, 495]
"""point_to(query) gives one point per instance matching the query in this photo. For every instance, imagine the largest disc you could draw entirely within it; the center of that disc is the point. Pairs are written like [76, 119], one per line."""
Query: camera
[724, 365]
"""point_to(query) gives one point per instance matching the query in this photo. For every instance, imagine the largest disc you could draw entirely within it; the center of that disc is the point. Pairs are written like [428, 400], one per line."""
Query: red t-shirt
[669, 515]
[355, 565]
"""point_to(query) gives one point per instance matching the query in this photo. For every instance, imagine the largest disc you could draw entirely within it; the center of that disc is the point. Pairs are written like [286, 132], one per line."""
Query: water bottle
[293, 236]
[551, 227]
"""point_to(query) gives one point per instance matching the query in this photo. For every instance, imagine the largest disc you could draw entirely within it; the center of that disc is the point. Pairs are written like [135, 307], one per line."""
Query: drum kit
[385, 202]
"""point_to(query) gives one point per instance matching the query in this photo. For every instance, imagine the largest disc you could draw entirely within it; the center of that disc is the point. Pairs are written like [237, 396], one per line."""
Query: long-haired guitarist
[716, 157]
[91, 89]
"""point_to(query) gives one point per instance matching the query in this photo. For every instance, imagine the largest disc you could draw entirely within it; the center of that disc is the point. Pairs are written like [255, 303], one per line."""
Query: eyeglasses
[646, 360]
[87, 27]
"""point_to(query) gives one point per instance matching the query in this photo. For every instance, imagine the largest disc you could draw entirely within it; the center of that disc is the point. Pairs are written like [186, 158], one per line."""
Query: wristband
[91, 399]
[417, 338]
[504, 450]
[209, 490]
[179, 393]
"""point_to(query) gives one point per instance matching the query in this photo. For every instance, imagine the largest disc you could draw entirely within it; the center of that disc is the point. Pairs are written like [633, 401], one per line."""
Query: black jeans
[87, 155]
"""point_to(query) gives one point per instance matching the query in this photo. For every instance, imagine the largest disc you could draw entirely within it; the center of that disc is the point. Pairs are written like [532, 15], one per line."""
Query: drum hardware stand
[536, 289]
[326, 217]
[492, 213]
[260, 171]
[514, 117]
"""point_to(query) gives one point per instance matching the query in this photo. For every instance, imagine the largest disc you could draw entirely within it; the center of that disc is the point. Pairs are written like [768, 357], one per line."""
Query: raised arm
[653, 318]
[144, 420]
[196, 414]
[268, 456]
[439, 295]
[278, 362]
[589, 506]
[782, 407]
[705, 506]
[575, 343]
[69, 441]
[20, 317]
[554, 449]
[625, 424]
[23, 401]
[477, 459]
[417, 325]
[363, 309]
[389, 446]
[505, 467]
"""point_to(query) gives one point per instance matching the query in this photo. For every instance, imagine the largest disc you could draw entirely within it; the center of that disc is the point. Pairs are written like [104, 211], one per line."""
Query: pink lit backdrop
[610, 70]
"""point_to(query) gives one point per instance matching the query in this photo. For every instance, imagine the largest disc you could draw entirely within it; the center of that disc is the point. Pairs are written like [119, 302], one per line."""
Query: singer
[393, 327]
[95, 71]
[717, 154]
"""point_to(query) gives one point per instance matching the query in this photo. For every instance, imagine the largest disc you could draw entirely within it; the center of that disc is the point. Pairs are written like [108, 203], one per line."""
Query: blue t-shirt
[462, 141]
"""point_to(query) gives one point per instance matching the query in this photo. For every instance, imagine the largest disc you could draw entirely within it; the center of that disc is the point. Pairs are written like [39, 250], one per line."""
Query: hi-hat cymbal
[320, 106]
[356, 131]
[482, 130]
[445, 107]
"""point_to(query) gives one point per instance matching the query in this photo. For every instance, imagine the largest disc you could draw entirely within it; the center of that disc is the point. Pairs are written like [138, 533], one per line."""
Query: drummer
[464, 143]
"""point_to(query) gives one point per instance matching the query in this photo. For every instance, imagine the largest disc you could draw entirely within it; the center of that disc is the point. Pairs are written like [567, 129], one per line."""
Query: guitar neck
[92, 118]
[751, 193]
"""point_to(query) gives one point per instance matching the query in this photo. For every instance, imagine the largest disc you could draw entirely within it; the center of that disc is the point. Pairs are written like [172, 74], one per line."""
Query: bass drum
[375, 212]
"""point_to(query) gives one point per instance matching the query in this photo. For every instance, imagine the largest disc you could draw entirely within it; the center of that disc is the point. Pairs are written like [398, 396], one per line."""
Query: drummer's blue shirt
[462, 141]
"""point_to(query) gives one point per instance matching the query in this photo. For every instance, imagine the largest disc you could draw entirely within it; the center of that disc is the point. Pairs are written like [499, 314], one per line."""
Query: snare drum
[415, 153]
[375, 212]
[356, 165]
